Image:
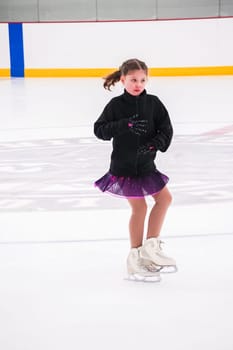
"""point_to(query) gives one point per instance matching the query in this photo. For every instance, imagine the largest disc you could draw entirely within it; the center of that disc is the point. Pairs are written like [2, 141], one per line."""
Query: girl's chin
[135, 93]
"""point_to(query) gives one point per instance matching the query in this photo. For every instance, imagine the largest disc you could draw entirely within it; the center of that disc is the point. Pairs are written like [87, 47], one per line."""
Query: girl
[140, 126]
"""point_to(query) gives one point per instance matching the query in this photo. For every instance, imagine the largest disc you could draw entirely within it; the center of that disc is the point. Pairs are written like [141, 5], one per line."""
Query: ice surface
[63, 244]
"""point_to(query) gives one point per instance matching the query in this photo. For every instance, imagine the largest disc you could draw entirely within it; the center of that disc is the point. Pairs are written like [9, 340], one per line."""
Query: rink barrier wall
[153, 72]
[16, 49]
[183, 48]
[5, 72]
[102, 72]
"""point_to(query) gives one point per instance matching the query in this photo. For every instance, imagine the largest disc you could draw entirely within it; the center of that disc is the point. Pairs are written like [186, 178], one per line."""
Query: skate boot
[151, 253]
[138, 272]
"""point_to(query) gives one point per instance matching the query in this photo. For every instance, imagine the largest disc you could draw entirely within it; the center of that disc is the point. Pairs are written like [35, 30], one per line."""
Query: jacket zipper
[137, 143]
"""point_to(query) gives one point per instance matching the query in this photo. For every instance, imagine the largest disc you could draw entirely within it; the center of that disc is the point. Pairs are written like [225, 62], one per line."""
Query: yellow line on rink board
[102, 72]
[153, 72]
[5, 72]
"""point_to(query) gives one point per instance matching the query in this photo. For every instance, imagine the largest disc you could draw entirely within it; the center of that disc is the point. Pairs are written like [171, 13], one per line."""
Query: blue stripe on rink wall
[16, 49]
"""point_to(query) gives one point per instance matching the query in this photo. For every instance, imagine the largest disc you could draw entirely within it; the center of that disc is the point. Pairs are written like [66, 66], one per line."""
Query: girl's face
[134, 82]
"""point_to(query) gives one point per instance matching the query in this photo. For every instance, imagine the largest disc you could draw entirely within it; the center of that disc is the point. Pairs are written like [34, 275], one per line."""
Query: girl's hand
[146, 149]
[138, 127]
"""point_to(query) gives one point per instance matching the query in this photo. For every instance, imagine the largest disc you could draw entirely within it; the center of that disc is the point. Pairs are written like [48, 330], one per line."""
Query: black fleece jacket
[113, 123]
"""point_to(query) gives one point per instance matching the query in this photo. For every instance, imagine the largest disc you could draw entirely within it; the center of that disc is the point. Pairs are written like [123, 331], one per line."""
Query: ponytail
[112, 79]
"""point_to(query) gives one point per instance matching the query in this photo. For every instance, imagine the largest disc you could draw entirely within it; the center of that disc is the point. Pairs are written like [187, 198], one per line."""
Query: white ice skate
[152, 255]
[138, 272]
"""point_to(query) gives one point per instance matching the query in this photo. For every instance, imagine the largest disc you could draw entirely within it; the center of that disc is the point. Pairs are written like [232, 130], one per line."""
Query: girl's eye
[135, 80]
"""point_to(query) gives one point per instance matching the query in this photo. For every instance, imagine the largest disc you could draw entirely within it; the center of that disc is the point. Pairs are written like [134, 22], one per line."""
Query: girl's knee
[143, 208]
[164, 197]
[168, 198]
[139, 207]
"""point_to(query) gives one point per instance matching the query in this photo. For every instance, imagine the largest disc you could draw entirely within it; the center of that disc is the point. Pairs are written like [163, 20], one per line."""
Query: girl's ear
[122, 79]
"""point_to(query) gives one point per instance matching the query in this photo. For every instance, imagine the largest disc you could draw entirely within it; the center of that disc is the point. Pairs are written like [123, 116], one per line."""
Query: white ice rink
[63, 244]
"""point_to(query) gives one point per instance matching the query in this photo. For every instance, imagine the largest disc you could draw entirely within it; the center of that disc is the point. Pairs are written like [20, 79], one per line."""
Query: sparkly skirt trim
[132, 187]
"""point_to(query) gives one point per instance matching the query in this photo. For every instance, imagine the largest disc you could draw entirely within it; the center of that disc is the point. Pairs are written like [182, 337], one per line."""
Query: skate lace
[160, 244]
[152, 268]
[160, 250]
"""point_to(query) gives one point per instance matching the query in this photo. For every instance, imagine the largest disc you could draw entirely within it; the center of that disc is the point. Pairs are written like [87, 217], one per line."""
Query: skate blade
[138, 278]
[167, 269]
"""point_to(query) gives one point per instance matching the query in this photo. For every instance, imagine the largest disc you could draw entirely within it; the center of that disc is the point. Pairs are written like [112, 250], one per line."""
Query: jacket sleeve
[106, 127]
[164, 130]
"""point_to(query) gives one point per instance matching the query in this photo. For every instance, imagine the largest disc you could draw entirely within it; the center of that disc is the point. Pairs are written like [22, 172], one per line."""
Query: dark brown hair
[125, 68]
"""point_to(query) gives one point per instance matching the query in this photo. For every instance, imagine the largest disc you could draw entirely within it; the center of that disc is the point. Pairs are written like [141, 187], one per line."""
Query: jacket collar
[132, 99]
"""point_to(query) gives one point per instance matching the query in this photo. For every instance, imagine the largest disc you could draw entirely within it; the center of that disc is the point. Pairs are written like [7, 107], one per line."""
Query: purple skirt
[136, 187]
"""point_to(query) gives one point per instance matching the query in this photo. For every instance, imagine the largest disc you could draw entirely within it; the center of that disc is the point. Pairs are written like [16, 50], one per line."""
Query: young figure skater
[140, 126]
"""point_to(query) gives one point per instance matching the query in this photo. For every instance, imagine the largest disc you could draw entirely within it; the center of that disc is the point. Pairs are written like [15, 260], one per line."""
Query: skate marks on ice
[157, 277]
[51, 174]
[59, 174]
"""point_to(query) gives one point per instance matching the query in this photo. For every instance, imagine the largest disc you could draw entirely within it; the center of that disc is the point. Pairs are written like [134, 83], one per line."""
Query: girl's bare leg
[157, 215]
[137, 220]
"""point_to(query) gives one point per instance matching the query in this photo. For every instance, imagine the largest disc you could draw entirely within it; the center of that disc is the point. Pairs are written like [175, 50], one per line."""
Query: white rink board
[173, 43]
[4, 46]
